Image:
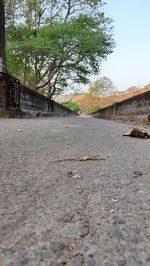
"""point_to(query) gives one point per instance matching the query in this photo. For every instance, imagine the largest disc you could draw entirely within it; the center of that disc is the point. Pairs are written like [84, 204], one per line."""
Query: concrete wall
[16, 100]
[134, 109]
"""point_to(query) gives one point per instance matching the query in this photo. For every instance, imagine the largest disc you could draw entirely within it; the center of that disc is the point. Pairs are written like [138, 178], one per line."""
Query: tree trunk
[3, 64]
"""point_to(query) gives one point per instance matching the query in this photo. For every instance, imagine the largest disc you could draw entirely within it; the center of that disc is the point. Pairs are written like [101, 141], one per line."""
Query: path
[50, 219]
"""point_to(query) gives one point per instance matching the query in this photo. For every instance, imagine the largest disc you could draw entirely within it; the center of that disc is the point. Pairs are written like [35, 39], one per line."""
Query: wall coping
[8, 76]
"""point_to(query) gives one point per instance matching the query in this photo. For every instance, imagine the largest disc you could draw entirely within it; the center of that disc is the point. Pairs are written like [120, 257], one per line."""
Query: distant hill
[89, 103]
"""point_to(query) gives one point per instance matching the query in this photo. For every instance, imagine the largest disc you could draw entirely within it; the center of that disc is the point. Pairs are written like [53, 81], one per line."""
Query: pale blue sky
[130, 63]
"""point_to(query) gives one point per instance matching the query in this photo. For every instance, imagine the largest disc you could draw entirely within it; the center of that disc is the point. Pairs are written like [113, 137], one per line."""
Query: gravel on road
[49, 218]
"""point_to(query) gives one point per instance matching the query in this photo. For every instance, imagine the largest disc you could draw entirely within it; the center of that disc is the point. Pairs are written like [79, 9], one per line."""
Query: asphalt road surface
[50, 218]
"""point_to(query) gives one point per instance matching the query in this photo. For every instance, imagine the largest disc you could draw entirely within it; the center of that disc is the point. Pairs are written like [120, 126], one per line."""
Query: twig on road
[82, 159]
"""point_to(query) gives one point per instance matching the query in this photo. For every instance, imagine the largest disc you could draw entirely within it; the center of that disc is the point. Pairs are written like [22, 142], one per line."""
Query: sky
[129, 64]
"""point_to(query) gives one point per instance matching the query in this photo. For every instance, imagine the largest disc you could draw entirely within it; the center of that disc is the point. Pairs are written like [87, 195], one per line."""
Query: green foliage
[48, 53]
[102, 87]
[72, 106]
[93, 108]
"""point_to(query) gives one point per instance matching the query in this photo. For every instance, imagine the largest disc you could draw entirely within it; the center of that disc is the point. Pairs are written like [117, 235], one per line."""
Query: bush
[72, 106]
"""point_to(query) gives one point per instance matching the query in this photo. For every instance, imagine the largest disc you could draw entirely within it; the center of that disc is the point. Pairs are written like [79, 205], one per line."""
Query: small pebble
[112, 211]
[114, 200]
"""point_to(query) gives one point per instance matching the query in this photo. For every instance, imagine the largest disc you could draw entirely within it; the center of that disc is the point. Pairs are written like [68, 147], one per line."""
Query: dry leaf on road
[137, 133]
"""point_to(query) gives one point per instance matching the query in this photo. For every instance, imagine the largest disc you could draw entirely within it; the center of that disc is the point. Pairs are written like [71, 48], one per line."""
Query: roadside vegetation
[90, 103]
[72, 106]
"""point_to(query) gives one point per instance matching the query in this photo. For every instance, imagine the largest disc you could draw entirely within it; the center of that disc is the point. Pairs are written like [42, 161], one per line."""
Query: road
[48, 218]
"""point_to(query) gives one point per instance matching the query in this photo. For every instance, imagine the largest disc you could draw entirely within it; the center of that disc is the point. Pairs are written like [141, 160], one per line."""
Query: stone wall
[33, 104]
[134, 109]
[2, 97]
[16, 100]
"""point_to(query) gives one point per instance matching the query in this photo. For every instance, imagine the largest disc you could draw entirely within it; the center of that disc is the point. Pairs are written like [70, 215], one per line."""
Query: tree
[132, 89]
[3, 65]
[102, 87]
[147, 87]
[57, 42]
